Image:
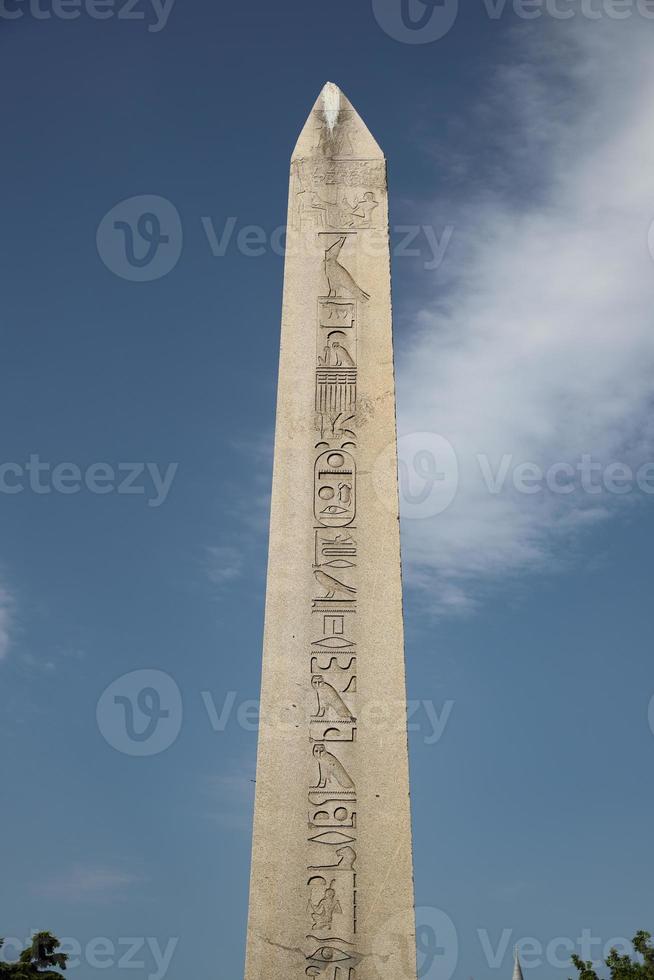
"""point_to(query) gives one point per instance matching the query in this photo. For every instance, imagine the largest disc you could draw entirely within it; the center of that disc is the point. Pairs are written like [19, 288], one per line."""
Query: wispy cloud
[224, 564]
[230, 796]
[245, 515]
[536, 340]
[253, 510]
[6, 617]
[51, 660]
[87, 883]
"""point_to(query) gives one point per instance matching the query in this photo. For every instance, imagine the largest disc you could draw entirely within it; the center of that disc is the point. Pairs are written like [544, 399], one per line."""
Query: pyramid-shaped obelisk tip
[334, 129]
[517, 969]
[331, 102]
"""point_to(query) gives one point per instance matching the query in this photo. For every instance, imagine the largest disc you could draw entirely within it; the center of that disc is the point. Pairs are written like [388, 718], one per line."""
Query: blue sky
[521, 164]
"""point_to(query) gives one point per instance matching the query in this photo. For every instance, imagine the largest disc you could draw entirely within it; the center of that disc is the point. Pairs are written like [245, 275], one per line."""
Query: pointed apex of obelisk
[517, 969]
[335, 130]
[330, 101]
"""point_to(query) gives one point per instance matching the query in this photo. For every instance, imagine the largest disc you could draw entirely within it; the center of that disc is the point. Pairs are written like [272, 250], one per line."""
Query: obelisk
[331, 890]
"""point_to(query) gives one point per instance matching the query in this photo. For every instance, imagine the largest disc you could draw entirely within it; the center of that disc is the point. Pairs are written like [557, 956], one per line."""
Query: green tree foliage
[38, 961]
[641, 967]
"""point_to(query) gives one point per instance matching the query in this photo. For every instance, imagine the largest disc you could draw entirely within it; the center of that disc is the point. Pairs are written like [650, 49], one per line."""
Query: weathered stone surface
[331, 891]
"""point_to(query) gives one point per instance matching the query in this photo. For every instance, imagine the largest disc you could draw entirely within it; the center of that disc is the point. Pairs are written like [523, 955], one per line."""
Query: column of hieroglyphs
[331, 884]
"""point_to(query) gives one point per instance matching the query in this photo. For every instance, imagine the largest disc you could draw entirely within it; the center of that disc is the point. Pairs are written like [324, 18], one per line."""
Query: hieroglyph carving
[335, 195]
[335, 489]
[339, 195]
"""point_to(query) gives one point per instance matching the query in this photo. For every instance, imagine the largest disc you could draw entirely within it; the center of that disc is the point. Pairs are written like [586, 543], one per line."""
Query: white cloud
[536, 340]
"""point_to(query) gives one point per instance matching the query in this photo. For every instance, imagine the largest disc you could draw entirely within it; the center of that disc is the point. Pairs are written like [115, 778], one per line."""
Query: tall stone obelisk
[331, 891]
